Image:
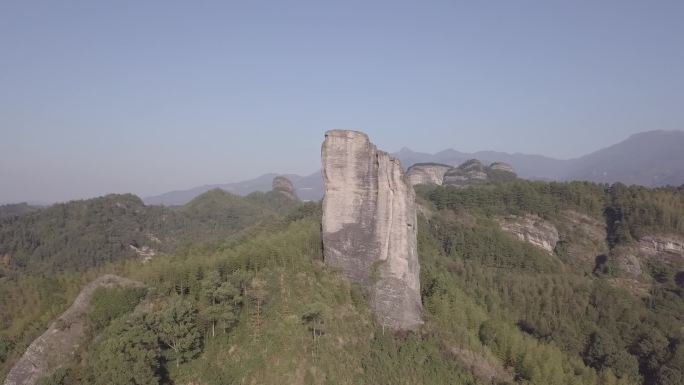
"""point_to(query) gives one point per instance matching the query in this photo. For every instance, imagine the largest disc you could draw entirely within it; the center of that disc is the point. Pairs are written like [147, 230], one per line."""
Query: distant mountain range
[653, 158]
[309, 188]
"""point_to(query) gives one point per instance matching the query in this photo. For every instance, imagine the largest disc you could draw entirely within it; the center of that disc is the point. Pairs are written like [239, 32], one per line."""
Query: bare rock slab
[57, 346]
[532, 229]
[369, 226]
[427, 173]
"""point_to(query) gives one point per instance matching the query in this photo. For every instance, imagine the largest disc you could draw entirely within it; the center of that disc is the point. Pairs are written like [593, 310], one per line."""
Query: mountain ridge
[660, 162]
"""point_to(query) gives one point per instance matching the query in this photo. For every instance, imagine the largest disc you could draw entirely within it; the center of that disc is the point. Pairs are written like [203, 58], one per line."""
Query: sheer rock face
[285, 187]
[58, 345]
[427, 173]
[369, 226]
[532, 229]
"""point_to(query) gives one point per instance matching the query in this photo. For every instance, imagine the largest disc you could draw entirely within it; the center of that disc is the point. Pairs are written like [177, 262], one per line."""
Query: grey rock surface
[369, 226]
[469, 173]
[427, 173]
[57, 346]
[655, 245]
[285, 187]
[532, 229]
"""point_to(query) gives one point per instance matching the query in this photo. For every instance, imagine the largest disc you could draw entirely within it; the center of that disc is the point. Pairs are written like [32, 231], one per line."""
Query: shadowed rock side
[56, 347]
[285, 187]
[369, 226]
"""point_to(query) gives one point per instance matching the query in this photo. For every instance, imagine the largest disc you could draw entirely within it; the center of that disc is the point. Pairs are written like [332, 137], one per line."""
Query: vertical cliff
[427, 173]
[369, 226]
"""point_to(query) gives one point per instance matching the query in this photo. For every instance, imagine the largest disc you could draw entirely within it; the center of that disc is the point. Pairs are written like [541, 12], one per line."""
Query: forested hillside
[13, 210]
[593, 315]
[254, 302]
[82, 234]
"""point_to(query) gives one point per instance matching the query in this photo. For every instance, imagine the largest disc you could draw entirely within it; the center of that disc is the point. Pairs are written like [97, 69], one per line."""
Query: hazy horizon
[317, 169]
[149, 98]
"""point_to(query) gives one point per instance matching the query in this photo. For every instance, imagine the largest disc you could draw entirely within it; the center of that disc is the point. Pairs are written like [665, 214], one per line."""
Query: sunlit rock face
[369, 226]
[532, 229]
[427, 173]
[655, 245]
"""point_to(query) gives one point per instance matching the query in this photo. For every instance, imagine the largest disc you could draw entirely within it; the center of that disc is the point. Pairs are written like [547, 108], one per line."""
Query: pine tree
[176, 326]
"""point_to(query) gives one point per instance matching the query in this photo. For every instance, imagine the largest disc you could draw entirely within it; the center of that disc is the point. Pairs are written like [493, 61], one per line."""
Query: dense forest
[16, 209]
[82, 234]
[239, 292]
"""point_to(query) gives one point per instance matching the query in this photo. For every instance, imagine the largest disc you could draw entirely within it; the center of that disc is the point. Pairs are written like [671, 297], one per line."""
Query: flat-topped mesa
[285, 187]
[369, 226]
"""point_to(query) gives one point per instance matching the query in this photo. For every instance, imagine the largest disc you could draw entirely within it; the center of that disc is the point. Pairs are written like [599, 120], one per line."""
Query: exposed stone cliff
[57, 346]
[427, 173]
[470, 173]
[532, 229]
[369, 226]
[473, 172]
[285, 187]
[655, 245]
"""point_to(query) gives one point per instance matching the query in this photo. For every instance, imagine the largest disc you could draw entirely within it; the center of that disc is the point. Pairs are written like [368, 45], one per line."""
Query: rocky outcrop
[532, 229]
[57, 346]
[470, 173]
[145, 253]
[369, 226]
[285, 187]
[654, 245]
[500, 166]
[427, 173]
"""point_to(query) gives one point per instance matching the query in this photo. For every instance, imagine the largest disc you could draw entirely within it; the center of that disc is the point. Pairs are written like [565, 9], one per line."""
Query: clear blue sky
[150, 96]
